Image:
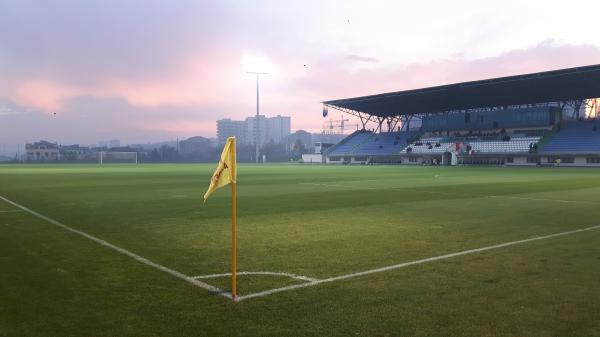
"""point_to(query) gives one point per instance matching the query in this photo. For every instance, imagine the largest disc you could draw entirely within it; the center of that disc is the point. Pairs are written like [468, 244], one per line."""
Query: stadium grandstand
[545, 118]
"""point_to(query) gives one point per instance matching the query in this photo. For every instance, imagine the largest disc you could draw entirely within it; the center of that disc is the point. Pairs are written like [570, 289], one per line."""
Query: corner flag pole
[225, 174]
[233, 237]
[233, 224]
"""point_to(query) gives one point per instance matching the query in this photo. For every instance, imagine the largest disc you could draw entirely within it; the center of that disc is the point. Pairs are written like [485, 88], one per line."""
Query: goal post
[114, 157]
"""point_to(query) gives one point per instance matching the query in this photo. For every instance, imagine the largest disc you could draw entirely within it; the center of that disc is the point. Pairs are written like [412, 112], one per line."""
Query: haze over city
[141, 71]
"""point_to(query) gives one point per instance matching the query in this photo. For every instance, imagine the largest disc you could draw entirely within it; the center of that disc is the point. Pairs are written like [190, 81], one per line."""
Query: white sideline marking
[290, 275]
[310, 281]
[11, 211]
[124, 251]
[411, 263]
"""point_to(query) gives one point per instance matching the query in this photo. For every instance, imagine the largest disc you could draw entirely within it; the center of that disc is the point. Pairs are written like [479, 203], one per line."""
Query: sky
[145, 70]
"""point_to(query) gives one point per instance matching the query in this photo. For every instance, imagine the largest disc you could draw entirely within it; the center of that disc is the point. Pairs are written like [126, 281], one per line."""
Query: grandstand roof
[542, 87]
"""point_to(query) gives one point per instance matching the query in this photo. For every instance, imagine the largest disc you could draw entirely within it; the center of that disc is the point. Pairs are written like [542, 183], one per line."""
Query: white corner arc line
[271, 273]
[315, 282]
[411, 263]
[123, 251]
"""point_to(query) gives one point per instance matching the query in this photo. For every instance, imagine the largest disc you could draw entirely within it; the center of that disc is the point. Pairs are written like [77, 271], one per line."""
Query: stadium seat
[363, 143]
[574, 137]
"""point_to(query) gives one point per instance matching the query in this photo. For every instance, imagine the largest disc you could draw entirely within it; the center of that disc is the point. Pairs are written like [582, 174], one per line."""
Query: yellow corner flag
[226, 172]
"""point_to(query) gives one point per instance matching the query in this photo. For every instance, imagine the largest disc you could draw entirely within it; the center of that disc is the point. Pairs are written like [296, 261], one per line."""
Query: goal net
[107, 157]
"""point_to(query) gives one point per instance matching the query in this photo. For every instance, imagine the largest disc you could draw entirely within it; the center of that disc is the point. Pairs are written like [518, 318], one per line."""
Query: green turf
[317, 221]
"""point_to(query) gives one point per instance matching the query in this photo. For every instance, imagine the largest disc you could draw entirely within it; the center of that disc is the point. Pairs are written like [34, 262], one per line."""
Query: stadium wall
[312, 158]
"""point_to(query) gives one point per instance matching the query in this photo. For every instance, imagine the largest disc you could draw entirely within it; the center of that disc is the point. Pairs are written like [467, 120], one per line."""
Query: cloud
[6, 111]
[89, 119]
[359, 58]
[85, 43]
[144, 70]
[332, 80]
[144, 51]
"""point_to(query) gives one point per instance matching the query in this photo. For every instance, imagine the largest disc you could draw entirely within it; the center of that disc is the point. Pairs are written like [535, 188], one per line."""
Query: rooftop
[543, 87]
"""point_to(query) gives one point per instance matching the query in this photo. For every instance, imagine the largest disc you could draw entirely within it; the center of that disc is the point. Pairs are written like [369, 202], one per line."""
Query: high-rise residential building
[278, 128]
[230, 128]
[274, 129]
[252, 125]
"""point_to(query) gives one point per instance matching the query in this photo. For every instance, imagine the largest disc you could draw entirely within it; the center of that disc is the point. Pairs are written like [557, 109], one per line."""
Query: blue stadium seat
[364, 143]
[347, 145]
[385, 143]
[575, 137]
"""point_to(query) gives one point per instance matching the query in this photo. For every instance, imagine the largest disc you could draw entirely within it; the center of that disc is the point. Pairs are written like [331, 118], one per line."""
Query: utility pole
[257, 123]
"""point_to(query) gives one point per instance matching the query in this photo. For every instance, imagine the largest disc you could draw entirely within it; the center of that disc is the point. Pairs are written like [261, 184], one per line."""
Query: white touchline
[271, 273]
[310, 281]
[11, 211]
[124, 251]
[411, 263]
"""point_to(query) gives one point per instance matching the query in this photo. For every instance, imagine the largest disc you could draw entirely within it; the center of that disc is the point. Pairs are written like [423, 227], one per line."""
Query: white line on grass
[11, 211]
[123, 251]
[310, 281]
[271, 273]
[411, 263]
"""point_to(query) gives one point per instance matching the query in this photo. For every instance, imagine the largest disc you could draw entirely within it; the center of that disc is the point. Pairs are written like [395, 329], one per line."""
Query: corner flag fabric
[226, 172]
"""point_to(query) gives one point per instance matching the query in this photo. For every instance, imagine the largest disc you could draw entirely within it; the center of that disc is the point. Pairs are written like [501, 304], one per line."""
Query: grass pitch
[316, 221]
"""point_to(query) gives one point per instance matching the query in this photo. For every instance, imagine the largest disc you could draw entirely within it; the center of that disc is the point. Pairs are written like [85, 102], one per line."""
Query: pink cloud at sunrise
[138, 70]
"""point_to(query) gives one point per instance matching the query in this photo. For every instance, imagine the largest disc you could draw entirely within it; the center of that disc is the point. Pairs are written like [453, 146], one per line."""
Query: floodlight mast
[257, 124]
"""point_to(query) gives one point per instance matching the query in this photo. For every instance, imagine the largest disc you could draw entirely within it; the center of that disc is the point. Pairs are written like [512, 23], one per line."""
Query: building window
[510, 159]
[593, 160]
[532, 160]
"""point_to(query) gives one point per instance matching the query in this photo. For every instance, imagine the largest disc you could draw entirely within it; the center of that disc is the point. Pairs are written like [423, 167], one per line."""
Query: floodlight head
[254, 64]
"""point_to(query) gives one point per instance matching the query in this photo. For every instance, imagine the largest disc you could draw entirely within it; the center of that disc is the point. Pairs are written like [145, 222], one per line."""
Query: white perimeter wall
[312, 158]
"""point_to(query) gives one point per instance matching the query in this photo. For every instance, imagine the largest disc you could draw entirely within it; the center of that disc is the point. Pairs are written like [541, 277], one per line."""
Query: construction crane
[337, 124]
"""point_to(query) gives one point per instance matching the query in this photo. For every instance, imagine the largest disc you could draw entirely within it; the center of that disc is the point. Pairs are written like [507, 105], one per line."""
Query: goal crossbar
[117, 157]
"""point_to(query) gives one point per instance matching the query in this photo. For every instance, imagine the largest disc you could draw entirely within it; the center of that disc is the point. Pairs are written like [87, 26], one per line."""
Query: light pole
[257, 111]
